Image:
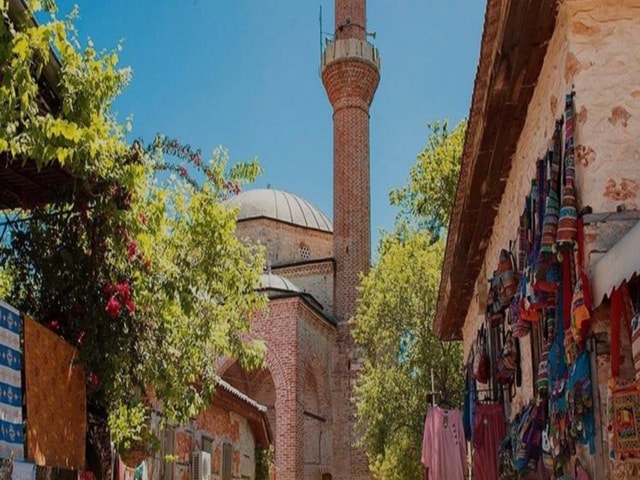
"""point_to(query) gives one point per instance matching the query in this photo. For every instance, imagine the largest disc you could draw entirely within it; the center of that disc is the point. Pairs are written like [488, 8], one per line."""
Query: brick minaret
[350, 74]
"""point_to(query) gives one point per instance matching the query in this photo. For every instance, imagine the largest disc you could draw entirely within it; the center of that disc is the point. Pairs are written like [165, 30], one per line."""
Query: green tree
[143, 273]
[394, 323]
[427, 198]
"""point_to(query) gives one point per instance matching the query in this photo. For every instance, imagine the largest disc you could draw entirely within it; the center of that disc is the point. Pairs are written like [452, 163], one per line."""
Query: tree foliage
[394, 323]
[427, 199]
[141, 272]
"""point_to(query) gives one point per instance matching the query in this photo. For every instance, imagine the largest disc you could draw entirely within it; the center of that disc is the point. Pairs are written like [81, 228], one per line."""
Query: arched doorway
[257, 385]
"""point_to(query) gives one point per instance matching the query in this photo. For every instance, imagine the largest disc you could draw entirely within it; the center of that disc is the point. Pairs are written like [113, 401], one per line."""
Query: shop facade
[539, 278]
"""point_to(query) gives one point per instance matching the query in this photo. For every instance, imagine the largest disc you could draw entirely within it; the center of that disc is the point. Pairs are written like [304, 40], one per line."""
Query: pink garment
[444, 450]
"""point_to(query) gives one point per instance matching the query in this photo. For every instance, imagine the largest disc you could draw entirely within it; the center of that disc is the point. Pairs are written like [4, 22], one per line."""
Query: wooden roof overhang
[230, 399]
[22, 184]
[513, 48]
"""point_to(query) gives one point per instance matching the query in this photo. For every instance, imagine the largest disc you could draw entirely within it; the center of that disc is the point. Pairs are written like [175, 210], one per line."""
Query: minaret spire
[350, 74]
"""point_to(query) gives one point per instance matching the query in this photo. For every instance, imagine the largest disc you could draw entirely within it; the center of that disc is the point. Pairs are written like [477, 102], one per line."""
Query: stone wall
[593, 50]
[314, 278]
[286, 243]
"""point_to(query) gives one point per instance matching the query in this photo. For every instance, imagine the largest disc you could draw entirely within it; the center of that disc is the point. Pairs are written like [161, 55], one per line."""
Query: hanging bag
[507, 361]
[507, 278]
[482, 366]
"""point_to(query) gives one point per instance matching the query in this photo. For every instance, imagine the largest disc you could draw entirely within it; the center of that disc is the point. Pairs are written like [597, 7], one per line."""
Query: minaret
[350, 74]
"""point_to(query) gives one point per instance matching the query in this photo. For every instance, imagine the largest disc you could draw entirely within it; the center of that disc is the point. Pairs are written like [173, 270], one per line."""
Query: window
[207, 445]
[227, 461]
[305, 252]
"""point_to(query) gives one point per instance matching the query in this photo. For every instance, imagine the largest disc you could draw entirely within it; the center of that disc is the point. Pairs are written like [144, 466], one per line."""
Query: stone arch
[274, 386]
[320, 371]
[273, 364]
[317, 425]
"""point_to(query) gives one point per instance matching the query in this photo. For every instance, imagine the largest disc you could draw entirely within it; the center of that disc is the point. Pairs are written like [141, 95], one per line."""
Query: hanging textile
[567, 224]
[469, 408]
[580, 402]
[489, 429]
[11, 429]
[23, 471]
[623, 413]
[444, 450]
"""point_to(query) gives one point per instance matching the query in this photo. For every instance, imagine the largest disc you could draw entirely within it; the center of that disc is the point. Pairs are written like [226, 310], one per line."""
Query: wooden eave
[226, 399]
[513, 48]
[22, 184]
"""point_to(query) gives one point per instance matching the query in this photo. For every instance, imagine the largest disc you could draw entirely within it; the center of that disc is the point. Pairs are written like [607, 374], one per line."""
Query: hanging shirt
[444, 450]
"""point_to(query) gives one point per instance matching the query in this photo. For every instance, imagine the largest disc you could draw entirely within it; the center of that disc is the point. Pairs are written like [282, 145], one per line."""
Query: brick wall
[299, 352]
[350, 75]
[351, 18]
[350, 85]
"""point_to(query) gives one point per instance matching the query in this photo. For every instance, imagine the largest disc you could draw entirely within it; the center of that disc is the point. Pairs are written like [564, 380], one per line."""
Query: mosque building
[312, 278]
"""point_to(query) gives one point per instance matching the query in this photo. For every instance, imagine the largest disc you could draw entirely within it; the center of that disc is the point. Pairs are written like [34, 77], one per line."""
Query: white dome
[280, 205]
[269, 281]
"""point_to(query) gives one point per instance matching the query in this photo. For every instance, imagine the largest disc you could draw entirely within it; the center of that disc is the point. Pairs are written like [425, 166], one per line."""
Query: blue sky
[244, 74]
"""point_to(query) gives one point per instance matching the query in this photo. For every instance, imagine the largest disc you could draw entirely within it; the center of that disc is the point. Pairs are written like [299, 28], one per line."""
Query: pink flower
[124, 290]
[143, 219]
[113, 307]
[109, 288]
[94, 381]
[132, 249]
[54, 326]
[183, 171]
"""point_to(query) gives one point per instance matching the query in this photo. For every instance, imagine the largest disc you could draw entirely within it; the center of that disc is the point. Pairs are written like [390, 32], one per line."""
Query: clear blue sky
[244, 74]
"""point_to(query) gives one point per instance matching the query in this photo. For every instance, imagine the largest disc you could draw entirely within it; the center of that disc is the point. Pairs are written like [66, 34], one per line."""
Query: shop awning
[620, 263]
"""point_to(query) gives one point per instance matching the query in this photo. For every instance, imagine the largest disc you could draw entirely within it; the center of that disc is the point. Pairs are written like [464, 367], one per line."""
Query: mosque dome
[280, 205]
[269, 281]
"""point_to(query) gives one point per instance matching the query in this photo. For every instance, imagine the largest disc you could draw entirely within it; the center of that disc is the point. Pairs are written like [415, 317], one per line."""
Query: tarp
[620, 263]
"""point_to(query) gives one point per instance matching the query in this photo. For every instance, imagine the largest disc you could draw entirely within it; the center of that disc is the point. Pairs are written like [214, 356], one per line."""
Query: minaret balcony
[349, 49]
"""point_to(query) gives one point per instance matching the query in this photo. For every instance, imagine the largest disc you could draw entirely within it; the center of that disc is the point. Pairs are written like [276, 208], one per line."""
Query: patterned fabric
[567, 225]
[623, 409]
[635, 342]
[11, 430]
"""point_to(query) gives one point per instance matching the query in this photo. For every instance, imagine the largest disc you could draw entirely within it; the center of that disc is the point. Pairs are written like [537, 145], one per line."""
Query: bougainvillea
[138, 266]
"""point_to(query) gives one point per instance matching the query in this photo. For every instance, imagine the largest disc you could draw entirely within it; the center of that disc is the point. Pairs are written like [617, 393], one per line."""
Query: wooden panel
[56, 416]
[513, 51]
